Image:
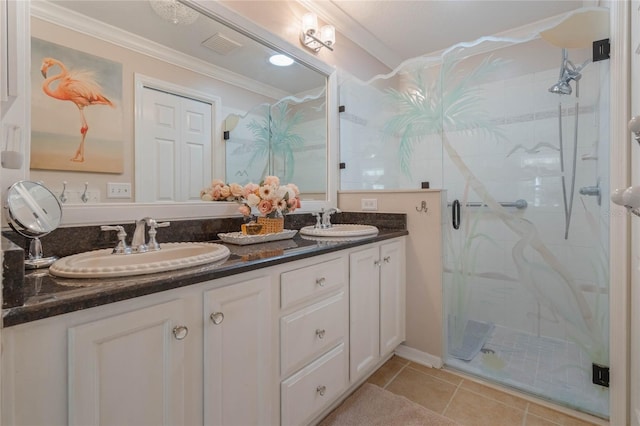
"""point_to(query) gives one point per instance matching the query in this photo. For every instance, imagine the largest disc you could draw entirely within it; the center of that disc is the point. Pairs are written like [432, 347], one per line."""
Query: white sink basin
[103, 264]
[341, 230]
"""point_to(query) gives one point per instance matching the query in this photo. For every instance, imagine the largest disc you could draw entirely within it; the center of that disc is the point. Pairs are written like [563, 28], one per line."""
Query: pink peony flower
[245, 210]
[272, 181]
[236, 190]
[225, 192]
[265, 207]
[250, 188]
[294, 188]
[217, 182]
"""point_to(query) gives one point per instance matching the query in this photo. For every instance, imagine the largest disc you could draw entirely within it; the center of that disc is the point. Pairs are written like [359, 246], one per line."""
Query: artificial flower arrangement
[269, 198]
[220, 191]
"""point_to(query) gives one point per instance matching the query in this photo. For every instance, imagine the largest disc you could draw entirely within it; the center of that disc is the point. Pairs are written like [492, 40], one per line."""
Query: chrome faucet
[326, 217]
[138, 242]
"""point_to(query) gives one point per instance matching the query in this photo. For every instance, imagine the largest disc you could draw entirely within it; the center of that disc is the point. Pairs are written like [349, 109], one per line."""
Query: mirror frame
[91, 214]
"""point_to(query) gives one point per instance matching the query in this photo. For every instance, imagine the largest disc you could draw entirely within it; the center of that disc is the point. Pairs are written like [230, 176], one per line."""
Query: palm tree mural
[275, 135]
[452, 102]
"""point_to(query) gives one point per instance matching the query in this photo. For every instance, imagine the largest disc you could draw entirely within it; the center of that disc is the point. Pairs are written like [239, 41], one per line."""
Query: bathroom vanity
[279, 333]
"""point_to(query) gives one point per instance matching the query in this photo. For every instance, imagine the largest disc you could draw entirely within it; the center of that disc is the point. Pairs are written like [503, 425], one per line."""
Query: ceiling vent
[221, 44]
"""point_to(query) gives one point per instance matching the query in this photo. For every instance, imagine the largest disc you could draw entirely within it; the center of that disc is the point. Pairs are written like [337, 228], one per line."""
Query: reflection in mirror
[204, 56]
[34, 211]
[286, 139]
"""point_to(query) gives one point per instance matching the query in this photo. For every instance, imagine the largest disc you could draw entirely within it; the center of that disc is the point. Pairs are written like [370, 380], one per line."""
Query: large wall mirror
[183, 103]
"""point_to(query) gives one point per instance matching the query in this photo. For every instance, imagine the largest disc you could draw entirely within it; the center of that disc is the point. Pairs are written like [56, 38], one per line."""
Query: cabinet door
[129, 368]
[364, 299]
[392, 296]
[238, 354]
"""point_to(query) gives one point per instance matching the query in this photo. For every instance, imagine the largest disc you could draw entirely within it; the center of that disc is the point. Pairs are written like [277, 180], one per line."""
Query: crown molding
[66, 18]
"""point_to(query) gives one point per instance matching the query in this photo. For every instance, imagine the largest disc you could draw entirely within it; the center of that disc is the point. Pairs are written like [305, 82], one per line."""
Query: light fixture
[313, 38]
[280, 60]
[174, 11]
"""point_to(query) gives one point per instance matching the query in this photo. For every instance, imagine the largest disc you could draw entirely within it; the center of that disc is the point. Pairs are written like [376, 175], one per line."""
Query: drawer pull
[321, 281]
[217, 318]
[322, 389]
[180, 332]
[387, 259]
[320, 333]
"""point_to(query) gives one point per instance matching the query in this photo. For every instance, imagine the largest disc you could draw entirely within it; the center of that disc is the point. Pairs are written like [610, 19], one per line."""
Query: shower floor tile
[549, 368]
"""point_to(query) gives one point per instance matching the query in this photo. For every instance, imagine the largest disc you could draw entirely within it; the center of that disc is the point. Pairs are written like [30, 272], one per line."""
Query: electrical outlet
[369, 204]
[118, 190]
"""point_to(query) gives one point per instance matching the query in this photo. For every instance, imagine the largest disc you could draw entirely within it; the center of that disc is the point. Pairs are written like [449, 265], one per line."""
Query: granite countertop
[46, 296]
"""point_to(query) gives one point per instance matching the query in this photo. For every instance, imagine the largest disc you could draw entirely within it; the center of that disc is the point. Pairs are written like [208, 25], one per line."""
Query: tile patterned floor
[466, 401]
[551, 368]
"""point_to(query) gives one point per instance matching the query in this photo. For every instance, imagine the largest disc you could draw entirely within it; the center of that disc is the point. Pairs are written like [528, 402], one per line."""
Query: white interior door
[174, 147]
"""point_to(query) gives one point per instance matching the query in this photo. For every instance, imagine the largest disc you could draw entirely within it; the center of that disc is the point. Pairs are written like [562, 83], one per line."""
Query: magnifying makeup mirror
[34, 211]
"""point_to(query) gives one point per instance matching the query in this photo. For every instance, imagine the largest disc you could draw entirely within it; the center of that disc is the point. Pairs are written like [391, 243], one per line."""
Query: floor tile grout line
[526, 413]
[458, 386]
[394, 376]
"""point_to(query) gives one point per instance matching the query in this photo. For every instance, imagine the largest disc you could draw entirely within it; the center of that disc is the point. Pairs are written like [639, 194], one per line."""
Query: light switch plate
[118, 190]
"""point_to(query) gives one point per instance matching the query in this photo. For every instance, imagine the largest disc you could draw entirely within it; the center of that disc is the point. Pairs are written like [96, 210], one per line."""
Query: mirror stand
[36, 260]
[34, 211]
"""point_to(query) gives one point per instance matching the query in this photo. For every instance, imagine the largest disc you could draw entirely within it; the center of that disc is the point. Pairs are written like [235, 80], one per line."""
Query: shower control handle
[593, 191]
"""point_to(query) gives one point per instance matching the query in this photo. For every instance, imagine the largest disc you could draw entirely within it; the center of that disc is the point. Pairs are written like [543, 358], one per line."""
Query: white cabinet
[270, 346]
[238, 354]
[313, 338]
[129, 368]
[392, 296]
[377, 301]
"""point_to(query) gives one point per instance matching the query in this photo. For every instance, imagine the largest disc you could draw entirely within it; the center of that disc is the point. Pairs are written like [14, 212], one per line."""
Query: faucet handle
[121, 247]
[318, 216]
[153, 243]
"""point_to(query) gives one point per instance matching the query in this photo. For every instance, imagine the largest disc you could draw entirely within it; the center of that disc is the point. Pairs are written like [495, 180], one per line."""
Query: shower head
[568, 72]
[561, 88]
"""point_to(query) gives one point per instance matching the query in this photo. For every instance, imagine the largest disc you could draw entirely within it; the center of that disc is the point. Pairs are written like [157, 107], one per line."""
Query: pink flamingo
[77, 87]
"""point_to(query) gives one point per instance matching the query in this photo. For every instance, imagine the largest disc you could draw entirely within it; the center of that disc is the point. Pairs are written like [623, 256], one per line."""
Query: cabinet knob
[180, 332]
[217, 317]
[321, 390]
[320, 333]
[387, 259]
[321, 281]
[376, 263]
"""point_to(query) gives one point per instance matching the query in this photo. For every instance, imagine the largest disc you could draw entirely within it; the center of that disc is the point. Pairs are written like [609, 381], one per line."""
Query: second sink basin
[340, 230]
[103, 264]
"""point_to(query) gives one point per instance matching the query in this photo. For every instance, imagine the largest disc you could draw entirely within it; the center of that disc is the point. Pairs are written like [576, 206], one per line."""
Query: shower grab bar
[518, 204]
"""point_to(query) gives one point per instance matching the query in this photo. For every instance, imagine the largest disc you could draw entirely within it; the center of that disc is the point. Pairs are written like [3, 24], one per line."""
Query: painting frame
[76, 110]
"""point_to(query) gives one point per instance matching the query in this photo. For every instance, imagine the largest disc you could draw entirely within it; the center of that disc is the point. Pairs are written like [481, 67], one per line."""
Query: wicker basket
[271, 225]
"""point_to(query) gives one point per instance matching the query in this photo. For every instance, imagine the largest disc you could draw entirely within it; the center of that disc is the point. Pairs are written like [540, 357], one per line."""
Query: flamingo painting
[78, 87]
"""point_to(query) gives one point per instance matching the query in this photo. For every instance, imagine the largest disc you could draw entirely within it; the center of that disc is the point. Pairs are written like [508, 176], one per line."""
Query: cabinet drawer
[312, 330]
[313, 388]
[307, 282]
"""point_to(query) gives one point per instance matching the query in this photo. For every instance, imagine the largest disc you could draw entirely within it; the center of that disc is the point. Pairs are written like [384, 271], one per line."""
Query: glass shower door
[526, 236]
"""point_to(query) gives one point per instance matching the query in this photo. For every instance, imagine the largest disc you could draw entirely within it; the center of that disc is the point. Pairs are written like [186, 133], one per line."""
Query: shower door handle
[455, 214]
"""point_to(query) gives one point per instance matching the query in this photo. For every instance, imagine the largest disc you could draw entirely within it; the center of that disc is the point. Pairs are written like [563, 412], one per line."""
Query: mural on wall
[286, 139]
[276, 135]
[76, 117]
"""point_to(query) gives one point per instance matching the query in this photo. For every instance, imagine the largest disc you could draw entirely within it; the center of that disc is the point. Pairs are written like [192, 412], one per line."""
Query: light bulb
[309, 23]
[328, 34]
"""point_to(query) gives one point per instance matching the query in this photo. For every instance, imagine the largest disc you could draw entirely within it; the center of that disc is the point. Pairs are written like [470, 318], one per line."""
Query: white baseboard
[418, 356]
